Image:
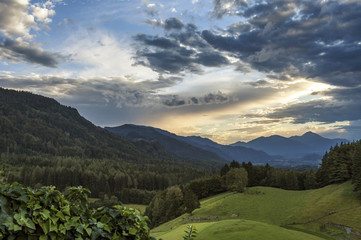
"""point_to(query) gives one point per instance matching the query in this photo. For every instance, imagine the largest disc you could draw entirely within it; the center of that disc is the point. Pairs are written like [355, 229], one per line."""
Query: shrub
[46, 213]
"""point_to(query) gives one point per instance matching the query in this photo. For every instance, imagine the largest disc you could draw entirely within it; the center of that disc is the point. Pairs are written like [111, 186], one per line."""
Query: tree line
[128, 182]
[341, 163]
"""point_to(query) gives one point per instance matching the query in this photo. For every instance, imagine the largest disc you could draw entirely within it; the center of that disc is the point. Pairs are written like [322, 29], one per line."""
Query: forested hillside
[341, 163]
[45, 143]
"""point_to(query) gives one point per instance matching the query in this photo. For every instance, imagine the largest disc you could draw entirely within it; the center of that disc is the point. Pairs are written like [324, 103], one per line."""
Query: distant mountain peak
[309, 133]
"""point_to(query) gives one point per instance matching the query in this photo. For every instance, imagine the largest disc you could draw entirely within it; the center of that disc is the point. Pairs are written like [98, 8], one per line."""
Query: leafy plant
[190, 233]
[46, 213]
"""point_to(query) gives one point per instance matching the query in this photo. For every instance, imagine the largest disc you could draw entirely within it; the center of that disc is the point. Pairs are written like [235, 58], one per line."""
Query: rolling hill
[323, 213]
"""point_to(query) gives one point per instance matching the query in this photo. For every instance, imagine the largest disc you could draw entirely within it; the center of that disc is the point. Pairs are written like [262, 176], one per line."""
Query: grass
[237, 229]
[139, 207]
[306, 211]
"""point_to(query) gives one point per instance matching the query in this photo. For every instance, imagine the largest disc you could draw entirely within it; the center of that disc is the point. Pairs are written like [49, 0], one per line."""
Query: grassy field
[237, 229]
[139, 207]
[270, 208]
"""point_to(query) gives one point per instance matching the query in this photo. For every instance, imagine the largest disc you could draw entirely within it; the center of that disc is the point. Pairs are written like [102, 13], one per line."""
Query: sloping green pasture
[308, 211]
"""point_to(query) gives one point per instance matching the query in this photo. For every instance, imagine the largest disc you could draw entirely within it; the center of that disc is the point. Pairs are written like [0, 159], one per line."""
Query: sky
[228, 70]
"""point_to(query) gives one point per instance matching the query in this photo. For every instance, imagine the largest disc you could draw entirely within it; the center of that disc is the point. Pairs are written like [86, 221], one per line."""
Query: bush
[46, 213]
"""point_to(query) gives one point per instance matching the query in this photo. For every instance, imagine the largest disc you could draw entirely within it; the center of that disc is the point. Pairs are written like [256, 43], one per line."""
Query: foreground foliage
[46, 213]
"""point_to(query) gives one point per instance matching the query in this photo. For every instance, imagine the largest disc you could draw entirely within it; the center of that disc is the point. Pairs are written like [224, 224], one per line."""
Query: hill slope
[303, 210]
[237, 230]
[192, 147]
[171, 144]
[34, 124]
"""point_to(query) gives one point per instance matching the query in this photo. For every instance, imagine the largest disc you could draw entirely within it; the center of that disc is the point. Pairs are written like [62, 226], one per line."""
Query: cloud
[177, 52]
[174, 101]
[208, 99]
[151, 9]
[215, 98]
[259, 83]
[15, 20]
[310, 39]
[19, 17]
[169, 24]
[227, 7]
[98, 53]
[344, 105]
[173, 24]
[17, 51]
[156, 41]
[18, 20]
[119, 92]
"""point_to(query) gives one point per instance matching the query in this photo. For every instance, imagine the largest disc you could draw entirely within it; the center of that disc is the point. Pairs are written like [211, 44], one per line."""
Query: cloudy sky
[228, 70]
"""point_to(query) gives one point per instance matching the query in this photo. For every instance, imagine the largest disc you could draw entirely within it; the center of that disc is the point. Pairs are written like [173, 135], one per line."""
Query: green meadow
[234, 229]
[270, 213]
[141, 208]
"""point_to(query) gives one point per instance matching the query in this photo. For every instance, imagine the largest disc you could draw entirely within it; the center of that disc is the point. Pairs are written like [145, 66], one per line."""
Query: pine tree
[356, 168]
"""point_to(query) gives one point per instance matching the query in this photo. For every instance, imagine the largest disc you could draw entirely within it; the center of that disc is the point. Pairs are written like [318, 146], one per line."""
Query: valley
[271, 187]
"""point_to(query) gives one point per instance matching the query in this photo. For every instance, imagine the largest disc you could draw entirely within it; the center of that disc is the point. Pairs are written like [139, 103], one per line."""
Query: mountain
[276, 150]
[278, 145]
[167, 140]
[45, 143]
[316, 142]
[193, 146]
[32, 124]
[306, 148]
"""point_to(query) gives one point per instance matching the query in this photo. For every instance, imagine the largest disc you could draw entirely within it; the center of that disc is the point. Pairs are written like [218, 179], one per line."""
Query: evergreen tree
[234, 164]
[224, 170]
[191, 201]
[356, 168]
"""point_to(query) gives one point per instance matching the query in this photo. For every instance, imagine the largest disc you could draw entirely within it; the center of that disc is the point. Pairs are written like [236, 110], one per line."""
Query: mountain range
[32, 124]
[35, 125]
[307, 149]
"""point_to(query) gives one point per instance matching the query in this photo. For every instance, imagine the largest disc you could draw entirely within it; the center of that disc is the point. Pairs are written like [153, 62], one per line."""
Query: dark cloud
[17, 51]
[345, 105]
[177, 52]
[215, 98]
[210, 98]
[173, 23]
[320, 111]
[156, 41]
[311, 39]
[174, 101]
[168, 61]
[194, 100]
[212, 59]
